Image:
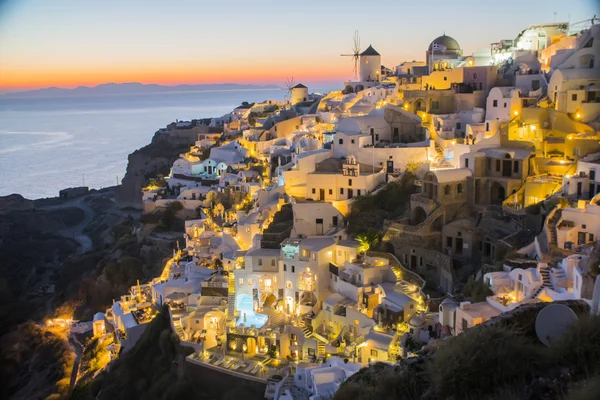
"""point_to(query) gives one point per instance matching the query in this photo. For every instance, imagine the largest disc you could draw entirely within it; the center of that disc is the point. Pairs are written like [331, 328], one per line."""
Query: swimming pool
[245, 305]
[252, 318]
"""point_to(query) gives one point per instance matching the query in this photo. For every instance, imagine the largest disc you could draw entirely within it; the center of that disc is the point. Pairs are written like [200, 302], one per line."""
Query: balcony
[307, 282]
[266, 286]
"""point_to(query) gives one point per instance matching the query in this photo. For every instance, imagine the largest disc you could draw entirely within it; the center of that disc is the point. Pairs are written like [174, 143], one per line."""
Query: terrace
[257, 367]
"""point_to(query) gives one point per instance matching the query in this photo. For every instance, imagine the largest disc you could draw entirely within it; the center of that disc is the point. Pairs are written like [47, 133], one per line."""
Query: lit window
[249, 281]
[314, 256]
[241, 281]
[288, 284]
[373, 353]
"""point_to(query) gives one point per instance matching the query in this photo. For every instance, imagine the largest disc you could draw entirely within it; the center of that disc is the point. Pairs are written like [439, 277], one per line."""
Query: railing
[407, 275]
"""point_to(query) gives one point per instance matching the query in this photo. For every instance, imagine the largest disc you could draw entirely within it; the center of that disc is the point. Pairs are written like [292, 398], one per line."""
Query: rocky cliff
[151, 160]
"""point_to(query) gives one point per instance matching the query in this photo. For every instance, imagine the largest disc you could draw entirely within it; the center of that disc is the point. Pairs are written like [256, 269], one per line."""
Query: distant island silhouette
[133, 87]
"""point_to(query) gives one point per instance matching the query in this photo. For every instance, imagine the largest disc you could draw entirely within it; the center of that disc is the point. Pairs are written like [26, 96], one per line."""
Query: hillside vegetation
[497, 361]
[35, 363]
[391, 202]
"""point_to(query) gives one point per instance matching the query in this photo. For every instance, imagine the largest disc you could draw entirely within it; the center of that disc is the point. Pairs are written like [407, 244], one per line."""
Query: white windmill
[355, 54]
[289, 84]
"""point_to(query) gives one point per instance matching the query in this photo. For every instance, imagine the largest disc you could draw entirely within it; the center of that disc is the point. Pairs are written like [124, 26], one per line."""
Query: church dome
[449, 42]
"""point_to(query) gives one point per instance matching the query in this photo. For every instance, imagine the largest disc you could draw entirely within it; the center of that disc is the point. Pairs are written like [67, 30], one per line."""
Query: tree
[476, 290]
[368, 240]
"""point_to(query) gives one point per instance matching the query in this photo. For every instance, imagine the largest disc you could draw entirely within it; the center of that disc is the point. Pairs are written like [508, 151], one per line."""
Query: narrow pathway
[78, 348]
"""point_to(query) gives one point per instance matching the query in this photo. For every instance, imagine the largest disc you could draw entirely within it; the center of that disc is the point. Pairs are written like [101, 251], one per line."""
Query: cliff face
[147, 162]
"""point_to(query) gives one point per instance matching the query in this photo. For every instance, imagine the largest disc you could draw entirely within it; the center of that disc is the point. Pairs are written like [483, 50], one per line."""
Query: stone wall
[434, 266]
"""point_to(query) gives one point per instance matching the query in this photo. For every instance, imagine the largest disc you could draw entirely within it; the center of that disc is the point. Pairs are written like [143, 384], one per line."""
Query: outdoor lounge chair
[255, 369]
[239, 366]
[219, 361]
[228, 363]
[249, 367]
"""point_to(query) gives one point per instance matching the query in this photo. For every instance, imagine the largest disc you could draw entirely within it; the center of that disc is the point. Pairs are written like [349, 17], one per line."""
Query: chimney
[465, 305]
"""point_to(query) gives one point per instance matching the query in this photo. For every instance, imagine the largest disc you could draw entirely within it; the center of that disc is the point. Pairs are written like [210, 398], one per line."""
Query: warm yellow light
[470, 62]
[533, 127]
[516, 112]
[578, 116]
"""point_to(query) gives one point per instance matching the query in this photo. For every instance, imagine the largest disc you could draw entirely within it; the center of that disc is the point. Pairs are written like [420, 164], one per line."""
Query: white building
[577, 92]
[337, 180]
[503, 103]
[578, 226]
[317, 219]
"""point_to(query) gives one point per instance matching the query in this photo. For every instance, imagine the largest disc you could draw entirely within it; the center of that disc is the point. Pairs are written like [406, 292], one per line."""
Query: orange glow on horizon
[69, 77]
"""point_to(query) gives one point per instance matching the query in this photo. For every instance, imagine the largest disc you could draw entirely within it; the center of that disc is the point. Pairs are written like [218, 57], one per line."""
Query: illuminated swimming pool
[245, 305]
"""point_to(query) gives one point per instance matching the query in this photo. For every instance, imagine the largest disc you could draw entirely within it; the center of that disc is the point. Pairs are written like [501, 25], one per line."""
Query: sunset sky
[67, 43]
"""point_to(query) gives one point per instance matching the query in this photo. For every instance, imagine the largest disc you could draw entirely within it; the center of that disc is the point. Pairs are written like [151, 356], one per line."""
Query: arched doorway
[497, 193]
[348, 89]
[420, 105]
[359, 88]
[418, 215]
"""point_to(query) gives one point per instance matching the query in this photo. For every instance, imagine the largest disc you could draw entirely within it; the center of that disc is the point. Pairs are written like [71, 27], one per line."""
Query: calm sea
[47, 144]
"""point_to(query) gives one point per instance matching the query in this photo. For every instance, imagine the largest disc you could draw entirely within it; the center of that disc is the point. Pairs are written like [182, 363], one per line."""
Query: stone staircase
[440, 162]
[559, 274]
[537, 292]
[321, 353]
[230, 296]
[307, 330]
[552, 227]
[545, 274]
[275, 318]
[178, 328]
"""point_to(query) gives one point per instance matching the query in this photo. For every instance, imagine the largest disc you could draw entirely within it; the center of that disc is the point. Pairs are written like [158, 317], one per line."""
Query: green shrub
[477, 291]
[381, 382]
[482, 361]
[579, 348]
[589, 391]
